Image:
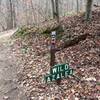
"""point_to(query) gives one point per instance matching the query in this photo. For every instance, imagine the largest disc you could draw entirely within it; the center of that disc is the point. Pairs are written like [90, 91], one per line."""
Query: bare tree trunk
[72, 41]
[47, 10]
[34, 13]
[14, 17]
[57, 10]
[81, 5]
[72, 4]
[2, 26]
[88, 14]
[77, 6]
[0, 2]
[53, 8]
[10, 14]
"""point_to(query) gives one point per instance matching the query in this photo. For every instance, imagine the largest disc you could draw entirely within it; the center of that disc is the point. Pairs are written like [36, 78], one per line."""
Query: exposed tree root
[73, 41]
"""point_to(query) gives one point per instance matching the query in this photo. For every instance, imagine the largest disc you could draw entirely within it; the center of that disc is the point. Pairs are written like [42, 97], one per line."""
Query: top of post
[53, 33]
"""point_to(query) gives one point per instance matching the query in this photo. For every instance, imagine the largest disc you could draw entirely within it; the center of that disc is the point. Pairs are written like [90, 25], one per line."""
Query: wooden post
[53, 51]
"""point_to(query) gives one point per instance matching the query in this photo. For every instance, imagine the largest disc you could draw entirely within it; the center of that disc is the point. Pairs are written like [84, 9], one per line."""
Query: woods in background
[17, 13]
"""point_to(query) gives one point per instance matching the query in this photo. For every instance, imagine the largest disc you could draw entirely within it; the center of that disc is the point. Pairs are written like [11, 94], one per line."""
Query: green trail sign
[58, 72]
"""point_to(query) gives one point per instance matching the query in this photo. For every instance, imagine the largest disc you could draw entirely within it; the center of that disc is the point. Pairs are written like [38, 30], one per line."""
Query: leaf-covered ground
[84, 58]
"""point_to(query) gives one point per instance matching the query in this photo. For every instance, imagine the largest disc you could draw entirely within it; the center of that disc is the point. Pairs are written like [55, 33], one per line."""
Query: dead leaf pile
[84, 58]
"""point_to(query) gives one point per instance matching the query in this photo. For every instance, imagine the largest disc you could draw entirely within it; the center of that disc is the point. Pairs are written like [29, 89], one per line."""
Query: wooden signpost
[59, 71]
[52, 52]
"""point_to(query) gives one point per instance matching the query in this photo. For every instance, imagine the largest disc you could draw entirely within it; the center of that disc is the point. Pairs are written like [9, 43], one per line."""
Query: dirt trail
[9, 88]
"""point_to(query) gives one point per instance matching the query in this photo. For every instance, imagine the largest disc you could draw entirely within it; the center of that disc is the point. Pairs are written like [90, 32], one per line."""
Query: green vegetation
[21, 32]
[43, 30]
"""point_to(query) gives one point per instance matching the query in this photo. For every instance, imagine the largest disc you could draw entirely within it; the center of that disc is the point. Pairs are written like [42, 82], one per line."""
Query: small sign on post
[52, 48]
[58, 72]
[52, 52]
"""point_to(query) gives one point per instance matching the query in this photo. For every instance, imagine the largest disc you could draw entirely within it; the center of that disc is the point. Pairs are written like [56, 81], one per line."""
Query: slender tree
[77, 6]
[14, 17]
[88, 13]
[53, 8]
[57, 9]
[9, 19]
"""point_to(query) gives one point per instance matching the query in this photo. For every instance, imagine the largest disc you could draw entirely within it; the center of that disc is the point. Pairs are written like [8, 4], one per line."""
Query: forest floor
[24, 62]
[9, 88]
[83, 57]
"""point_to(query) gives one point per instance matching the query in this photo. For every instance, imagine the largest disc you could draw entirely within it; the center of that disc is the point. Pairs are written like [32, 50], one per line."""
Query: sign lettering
[58, 72]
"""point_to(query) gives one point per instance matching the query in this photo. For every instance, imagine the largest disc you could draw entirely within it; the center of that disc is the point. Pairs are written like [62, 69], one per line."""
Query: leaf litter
[84, 58]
